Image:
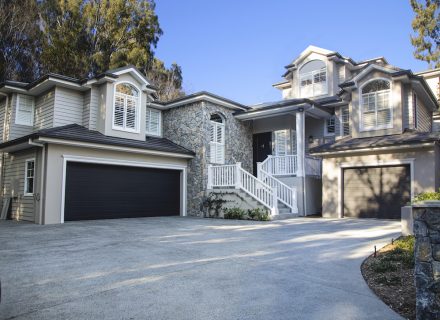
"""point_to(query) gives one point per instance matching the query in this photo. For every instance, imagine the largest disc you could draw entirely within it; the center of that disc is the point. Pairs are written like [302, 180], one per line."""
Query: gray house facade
[347, 139]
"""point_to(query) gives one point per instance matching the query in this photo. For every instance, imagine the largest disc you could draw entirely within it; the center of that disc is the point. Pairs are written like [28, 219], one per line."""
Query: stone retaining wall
[427, 260]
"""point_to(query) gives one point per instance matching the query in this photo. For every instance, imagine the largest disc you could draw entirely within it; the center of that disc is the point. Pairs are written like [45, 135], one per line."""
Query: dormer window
[313, 79]
[376, 110]
[126, 107]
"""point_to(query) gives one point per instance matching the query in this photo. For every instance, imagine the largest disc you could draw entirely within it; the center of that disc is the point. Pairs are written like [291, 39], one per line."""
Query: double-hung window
[376, 109]
[330, 126]
[25, 110]
[126, 107]
[29, 177]
[153, 120]
[217, 139]
[345, 121]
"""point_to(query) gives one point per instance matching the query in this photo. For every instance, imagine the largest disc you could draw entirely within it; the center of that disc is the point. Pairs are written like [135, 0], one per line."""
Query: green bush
[258, 214]
[234, 213]
[424, 196]
[383, 265]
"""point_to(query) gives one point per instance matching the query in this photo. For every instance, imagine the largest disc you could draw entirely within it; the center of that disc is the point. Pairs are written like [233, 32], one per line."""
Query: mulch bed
[392, 280]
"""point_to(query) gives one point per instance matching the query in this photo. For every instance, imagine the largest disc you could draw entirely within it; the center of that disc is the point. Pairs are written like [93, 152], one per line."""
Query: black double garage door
[376, 192]
[97, 191]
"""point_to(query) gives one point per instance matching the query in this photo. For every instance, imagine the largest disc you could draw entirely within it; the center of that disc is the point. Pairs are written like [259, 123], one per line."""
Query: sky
[238, 48]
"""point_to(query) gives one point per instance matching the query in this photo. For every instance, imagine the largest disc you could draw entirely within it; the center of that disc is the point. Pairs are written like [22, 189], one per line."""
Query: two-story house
[347, 139]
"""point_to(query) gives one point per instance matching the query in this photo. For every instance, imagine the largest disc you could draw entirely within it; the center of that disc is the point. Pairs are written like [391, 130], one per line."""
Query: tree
[82, 38]
[426, 25]
[19, 40]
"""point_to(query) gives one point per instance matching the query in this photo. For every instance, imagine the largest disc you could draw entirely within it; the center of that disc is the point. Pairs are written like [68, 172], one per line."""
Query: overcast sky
[238, 48]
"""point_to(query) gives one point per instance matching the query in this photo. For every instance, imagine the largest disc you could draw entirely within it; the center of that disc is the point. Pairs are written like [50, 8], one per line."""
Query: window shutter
[25, 110]
[217, 142]
[131, 113]
[345, 119]
[281, 143]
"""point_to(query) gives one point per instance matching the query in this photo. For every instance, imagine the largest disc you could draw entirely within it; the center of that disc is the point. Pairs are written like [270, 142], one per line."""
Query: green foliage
[382, 266]
[426, 25]
[401, 255]
[83, 38]
[214, 202]
[258, 214]
[391, 280]
[426, 196]
[234, 213]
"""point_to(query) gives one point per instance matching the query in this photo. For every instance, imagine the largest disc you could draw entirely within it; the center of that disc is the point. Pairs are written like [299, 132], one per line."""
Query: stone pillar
[427, 260]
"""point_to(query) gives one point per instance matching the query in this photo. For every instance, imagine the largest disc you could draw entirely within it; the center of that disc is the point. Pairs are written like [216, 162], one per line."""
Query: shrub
[424, 196]
[258, 214]
[383, 265]
[234, 213]
[213, 202]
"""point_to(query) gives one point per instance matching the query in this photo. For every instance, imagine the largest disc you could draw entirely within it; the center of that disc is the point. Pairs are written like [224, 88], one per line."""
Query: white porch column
[300, 143]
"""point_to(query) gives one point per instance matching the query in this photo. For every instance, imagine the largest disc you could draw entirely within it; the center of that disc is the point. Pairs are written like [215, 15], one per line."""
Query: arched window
[126, 107]
[376, 108]
[313, 79]
[217, 139]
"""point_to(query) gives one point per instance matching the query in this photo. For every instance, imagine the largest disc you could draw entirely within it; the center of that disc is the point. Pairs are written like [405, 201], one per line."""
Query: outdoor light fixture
[310, 139]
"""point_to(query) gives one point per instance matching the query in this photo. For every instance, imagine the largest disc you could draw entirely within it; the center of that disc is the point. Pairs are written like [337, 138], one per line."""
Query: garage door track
[184, 268]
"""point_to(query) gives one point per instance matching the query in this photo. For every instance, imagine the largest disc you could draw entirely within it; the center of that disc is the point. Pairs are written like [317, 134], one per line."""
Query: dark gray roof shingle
[406, 138]
[75, 132]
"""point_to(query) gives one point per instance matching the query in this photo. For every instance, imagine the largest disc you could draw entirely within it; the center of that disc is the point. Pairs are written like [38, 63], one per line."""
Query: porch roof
[316, 108]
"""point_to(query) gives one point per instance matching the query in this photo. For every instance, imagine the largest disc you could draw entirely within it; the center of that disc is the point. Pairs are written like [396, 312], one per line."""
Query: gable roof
[75, 132]
[202, 96]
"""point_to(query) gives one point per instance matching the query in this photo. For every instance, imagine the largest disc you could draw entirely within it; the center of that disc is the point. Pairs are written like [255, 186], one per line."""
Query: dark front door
[376, 192]
[96, 191]
[262, 147]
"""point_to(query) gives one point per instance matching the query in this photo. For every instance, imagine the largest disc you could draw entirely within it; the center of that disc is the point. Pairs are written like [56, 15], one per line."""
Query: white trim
[390, 104]
[73, 158]
[139, 75]
[17, 105]
[28, 194]
[368, 69]
[200, 98]
[378, 163]
[138, 109]
[116, 148]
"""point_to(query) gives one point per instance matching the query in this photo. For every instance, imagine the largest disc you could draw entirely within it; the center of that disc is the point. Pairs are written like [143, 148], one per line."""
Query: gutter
[364, 150]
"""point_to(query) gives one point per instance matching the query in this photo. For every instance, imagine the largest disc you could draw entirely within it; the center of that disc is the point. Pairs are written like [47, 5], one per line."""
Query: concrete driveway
[184, 268]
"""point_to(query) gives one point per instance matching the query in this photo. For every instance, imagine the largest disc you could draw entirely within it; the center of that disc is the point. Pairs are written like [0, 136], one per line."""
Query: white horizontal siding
[44, 109]
[22, 207]
[424, 118]
[68, 107]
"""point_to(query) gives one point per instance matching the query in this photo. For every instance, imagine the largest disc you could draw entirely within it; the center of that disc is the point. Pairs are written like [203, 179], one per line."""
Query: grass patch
[391, 276]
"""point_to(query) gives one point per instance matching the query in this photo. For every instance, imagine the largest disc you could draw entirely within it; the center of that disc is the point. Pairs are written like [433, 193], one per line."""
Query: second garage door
[96, 191]
[376, 192]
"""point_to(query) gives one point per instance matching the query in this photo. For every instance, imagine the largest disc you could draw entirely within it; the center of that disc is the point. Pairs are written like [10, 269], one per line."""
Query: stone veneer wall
[427, 260]
[189, 127]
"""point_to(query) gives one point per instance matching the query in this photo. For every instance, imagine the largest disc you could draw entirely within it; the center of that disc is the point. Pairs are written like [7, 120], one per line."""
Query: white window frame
[346, 122]
[17, 110]
[138, 109]
[390, 102]
[159, 126]
[215, 144]
[326, 124]
[26, 177]
[312, 73]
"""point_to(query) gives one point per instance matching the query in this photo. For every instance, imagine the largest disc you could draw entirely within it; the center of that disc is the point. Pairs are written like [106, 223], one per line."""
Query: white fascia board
[139, 75]
[203, 98]
[271, 112]
[112, 147]
[369, 150]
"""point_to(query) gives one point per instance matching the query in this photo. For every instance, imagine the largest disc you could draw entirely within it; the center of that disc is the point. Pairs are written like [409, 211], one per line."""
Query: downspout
[42, 176]
[3, 140]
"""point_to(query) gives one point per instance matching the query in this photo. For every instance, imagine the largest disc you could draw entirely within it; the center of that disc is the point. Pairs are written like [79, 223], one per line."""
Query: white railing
[235, 176]
[313, 166]
[285, 194]
[280, 165]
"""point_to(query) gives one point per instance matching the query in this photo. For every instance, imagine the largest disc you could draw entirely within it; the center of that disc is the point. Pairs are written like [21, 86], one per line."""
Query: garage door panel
[376, 192]
[96, 191]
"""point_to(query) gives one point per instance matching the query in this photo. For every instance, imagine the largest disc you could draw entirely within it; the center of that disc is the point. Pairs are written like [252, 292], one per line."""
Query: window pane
[383, 118]
[153, 122]
[369, 120]
[376, 85]
[127, 89]
[25, 110]
[119, 111]
[131, 113]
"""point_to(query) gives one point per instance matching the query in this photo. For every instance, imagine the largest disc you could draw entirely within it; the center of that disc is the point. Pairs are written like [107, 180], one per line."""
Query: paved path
[184, 268]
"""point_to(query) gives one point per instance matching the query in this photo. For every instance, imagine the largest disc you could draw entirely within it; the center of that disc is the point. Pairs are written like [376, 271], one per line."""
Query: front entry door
[262, 147]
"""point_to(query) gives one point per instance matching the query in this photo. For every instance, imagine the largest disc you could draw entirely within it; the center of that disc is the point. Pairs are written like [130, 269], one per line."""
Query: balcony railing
[288, 165]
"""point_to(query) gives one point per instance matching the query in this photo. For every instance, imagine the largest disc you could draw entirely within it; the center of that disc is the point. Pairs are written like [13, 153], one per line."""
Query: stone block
[423, 252]
[423, 269]
[420, 228]
[436, 251]
[432, 218]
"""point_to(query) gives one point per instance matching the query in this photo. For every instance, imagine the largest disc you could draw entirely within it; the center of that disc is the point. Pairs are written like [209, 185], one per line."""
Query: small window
[415, 110]
[29, 177]
[126, 107]
[25, 110]
[313, 79]
[217, 139]
[153, 119]
[330, 126]
[345, 121]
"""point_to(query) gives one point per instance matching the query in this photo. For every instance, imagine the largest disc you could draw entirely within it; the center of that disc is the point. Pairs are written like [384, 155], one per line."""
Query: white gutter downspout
[3, 140]
[42, 176]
